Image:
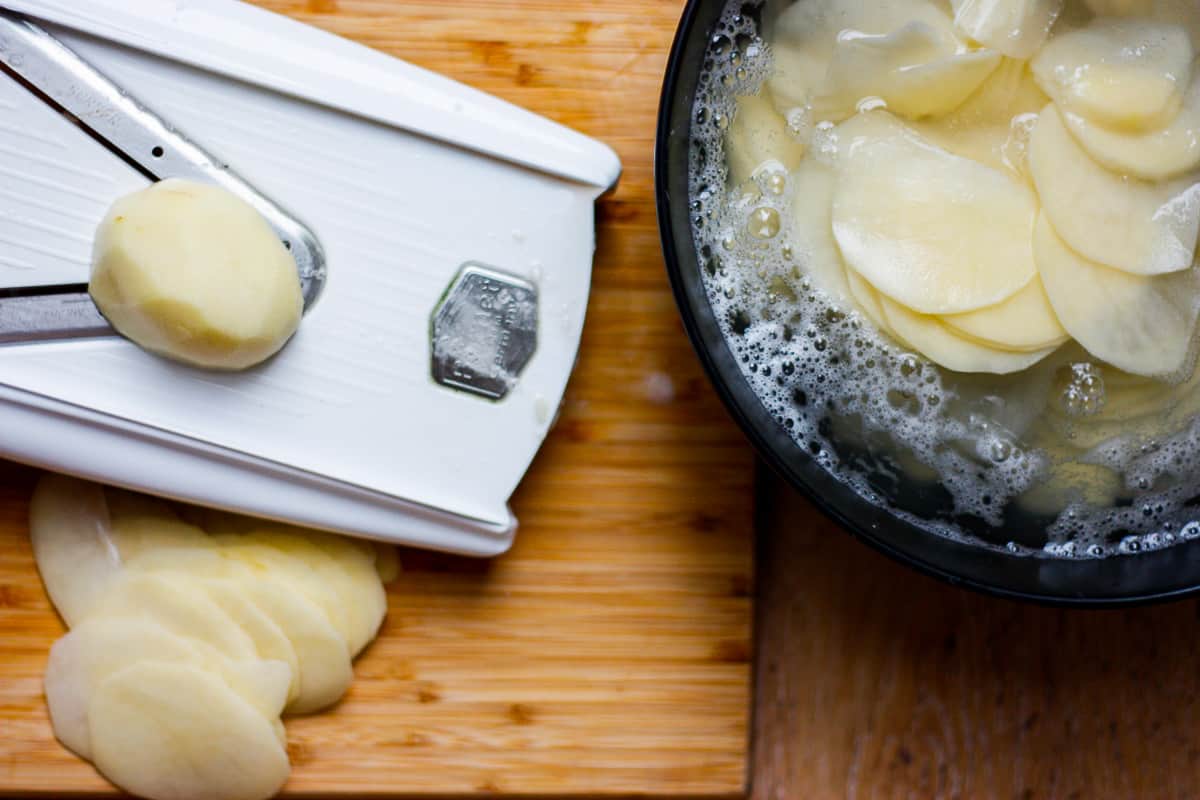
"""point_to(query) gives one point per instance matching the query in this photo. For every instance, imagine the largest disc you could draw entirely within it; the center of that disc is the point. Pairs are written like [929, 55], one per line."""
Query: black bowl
[1112, 581]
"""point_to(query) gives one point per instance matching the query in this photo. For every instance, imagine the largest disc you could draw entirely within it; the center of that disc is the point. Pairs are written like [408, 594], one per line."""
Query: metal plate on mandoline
[484, 331]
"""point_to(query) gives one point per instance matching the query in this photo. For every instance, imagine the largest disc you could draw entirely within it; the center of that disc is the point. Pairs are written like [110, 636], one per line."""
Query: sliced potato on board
[909, 70]
[1016, 28]
[1143, 325]
[1157, 155]
[322, 656]
[1138, 227]
[935, 232]
[807, 32]
[944, 347]
[103, 645]
[1129, 74]
[178, 605]
[1024, 322]
[69, 529]
[177, 732]
[757, 137]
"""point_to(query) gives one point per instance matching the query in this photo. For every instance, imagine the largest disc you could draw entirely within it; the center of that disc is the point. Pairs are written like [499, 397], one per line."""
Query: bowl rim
[1082, 583]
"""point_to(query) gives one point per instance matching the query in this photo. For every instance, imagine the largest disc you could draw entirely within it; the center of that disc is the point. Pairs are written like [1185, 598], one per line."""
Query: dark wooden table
[877, 682]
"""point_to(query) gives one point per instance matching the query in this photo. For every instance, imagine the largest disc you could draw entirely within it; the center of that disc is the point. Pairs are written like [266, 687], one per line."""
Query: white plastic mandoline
[404, 176]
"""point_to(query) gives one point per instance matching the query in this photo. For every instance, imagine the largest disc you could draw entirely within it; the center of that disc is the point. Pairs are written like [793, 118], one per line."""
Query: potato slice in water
[1016, 28]
[1138, 227]
[942, 346]
[70, 531]
[177, 732]
[758, 136]
[101, 646]
[811, 232]
[1123, 73]
[936, 232]
[1157, 155]
[1143, 325]
[869, 306]
[322, 655]
[807, 32]
[909, 70]
[983, 128]
[1024, 322]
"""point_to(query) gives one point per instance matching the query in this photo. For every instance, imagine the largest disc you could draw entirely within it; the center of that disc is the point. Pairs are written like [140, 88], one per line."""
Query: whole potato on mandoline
[192, 272]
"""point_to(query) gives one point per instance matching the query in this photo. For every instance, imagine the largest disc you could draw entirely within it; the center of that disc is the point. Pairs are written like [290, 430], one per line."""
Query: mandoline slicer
[444, 240]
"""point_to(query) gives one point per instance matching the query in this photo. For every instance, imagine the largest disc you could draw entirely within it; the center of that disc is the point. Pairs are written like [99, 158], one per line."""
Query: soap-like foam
[961, 456]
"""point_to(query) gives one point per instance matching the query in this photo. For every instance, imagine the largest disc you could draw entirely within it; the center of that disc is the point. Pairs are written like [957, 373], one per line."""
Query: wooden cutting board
[608, 654]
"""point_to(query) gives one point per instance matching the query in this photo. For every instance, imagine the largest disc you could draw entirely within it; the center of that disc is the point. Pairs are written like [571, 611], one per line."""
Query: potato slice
[322, 657]
[987, 128]
[942, 346]
[1024, 322]
[1134, 226]
[1016, 28]
[177, 732]
[179, 605]
[101, 646]
[304, 577]
[757, 137]
[345, 570]
[270, 642]
[909, 70]
[807, 32]
[194, 273]
[1143, 325]
[936, 232]
[811, 232]
[1129, 74]
[69, 529]
[1157, 155]
[868, 303]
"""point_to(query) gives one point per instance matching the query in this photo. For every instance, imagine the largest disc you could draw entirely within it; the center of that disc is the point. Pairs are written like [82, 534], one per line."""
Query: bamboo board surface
[608, 654]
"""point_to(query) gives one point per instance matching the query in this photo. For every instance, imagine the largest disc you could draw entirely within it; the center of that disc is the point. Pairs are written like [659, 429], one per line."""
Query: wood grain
[609, 653]
[877, 682]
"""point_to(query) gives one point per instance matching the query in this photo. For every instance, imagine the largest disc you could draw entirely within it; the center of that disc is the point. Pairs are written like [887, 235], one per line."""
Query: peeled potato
[942, 346]
[270, 642]
[103, 645]
[192, 272]
[910, 70]
[811, 231]
[933, 231]
[178, 732]
[1156, 155]
[1024, 322]
[69, 529]
[1016, 28]
[758, 136]
[1124, 73]
[807, 32]
[1138, 227]
[1143, 325]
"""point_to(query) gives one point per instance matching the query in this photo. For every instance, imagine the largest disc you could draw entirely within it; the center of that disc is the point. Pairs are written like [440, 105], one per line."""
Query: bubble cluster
[953, 454]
